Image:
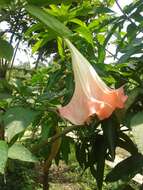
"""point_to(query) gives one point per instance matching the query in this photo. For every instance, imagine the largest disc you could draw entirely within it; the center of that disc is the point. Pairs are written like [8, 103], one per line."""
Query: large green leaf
[126, 169]
[19, 152]
[53, 23]
[16, 120]
[137, 130]
[126, 143]
[3, 155]
[6, 50]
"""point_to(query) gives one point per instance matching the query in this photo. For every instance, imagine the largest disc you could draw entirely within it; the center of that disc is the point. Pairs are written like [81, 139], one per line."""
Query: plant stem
[12, 62]
[128, 18]
[54, 138]
[1, 131]
[45, 179]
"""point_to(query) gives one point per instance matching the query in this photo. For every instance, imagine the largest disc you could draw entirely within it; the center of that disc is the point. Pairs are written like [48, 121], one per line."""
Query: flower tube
[91, 95]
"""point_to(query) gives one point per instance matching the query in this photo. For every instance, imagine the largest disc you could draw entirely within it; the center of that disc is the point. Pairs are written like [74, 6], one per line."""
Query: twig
[129, 19]
[54, 138]
[64, 132]
[115, 57]
[13, 59]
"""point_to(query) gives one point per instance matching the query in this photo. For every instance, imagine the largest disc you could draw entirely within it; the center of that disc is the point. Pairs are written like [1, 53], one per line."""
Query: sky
[22, 55]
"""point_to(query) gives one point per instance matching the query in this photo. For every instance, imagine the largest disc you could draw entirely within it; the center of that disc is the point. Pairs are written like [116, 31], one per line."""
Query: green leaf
[80, 151]
[65, 148]
[85, 33]
[78, 21]
[109, 127]
[101, 54]
[3, 156]
[131, 98]
[124, 58]
[53, 23]
[60, 47]
[125, 169]
[110, 33]
[133, 48]
[44, 2]
[4, 2]
[129, 8]
[137, 130]
[19, 152]
[41, 42]
[6, 50]
[46, 129]
[126, 143]
[98, 170]
[132, 29]
[33, 28]
[103, 10]
[16, 120]
[101, 163]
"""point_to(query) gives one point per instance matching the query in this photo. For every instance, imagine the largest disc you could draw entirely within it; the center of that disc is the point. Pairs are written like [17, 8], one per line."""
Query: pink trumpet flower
[91, 95]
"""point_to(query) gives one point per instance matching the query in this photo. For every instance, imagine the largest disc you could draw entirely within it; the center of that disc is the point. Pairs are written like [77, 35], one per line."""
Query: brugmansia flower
[91, 95]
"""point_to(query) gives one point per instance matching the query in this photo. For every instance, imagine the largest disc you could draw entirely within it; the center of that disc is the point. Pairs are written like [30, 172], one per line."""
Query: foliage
[30, 125]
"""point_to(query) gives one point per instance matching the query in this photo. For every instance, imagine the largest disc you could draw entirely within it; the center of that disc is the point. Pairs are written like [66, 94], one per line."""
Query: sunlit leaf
[85, 33]
[6, 50]
[19, 152]
[137, 130]
[17, 119]
[53, 23]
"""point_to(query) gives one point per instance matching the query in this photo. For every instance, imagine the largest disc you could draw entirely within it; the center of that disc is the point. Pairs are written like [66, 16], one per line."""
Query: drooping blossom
[91, 95]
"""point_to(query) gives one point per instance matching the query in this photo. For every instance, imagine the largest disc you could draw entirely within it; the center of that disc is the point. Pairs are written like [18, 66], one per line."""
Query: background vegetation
[31, 129]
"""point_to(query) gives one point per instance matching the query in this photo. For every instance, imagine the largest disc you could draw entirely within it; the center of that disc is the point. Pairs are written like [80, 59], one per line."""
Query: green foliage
[123, 170]
[6, 50]
[17, 119]
[44, 2]
[50, 21]
[4, 2]
[4, 156]
[19, 175]
[98, 171]
[19, 152]
[137, 128]
[29, 100]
